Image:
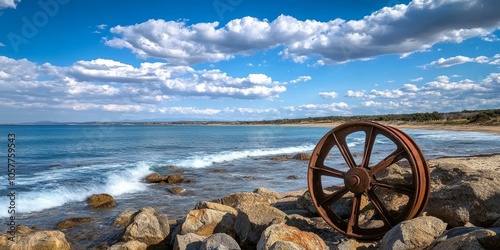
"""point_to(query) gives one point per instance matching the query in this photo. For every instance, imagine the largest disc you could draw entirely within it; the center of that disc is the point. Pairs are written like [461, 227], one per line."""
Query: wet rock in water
[98, 201]
[219, 241]
[148, 226]
[302, 156]
[190, 181]
[280, 158]
[206, 222]
[72, 222]
[283, 232]
[292, 177]
[417, 233]
[188, 241]
[253, 219]
[175, 178]
[461, 194]
[131, 245]
[155, 178]
[177, 190]
[124, 218]
[34, 239]
[217, 170]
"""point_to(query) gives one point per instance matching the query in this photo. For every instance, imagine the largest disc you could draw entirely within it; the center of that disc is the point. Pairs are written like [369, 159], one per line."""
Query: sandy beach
[465, 127]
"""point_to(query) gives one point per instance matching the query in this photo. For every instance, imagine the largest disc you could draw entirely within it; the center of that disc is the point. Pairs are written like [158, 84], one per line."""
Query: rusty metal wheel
[364, 178]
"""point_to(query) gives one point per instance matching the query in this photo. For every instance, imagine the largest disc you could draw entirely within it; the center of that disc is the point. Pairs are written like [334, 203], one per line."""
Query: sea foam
[117, 181]
[203, 161]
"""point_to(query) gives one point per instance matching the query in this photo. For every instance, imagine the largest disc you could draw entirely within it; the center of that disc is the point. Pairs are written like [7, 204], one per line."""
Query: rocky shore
[463, 213]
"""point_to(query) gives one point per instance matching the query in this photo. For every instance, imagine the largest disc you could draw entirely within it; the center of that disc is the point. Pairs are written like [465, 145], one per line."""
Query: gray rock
[241, 199]
[33, 239]
[305, 202]
[477, 239]
[252, 220]
[188, 241]
[416, 233]
[461, 194]
[219, 241]
[124, 218]
[148, 226]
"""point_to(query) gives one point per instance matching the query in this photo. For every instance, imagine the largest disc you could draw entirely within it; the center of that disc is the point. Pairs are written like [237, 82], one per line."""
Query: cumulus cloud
[401, 29]
[328, 95]
[301, 79]
[456, 60]
[8, 4]
[114, 86]
[440, 94]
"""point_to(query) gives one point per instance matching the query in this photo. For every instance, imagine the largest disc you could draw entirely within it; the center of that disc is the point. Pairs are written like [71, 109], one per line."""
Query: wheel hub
[357, 180]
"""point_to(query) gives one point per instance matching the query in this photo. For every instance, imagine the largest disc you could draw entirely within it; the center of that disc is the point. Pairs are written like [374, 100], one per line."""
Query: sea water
[58, 167]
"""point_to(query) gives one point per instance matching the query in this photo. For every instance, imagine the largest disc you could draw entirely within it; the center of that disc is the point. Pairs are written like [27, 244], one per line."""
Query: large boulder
[123, 219]
[219, 241]
[206, 222]
[148, 226]
[252, 220]
[188, 241]
[477, 239]
[242, 199]
[270, 195]
[34, 239]
[463, 193]
[216, 206]
[98, 201]
[283, 232]
[131, 245]
[417, 233]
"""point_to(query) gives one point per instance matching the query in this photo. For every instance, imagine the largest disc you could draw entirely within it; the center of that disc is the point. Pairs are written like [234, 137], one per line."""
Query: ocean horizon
[58, 167]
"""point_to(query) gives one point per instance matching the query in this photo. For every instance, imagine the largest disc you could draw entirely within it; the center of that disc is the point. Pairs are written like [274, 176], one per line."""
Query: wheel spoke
[400, 188]
[328, 171]
[395, 156]
[344, 150]
[380, 208]
[353, 219]
[332, 198]
[369, 142]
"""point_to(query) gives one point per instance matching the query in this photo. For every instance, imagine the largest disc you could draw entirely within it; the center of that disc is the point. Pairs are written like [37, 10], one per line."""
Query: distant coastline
[476, 120]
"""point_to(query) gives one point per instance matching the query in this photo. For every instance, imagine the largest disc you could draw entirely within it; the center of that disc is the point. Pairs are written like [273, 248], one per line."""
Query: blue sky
[70, 60]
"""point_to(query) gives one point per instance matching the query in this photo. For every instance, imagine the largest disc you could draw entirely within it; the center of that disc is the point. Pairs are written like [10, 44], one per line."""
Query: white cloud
[113, 86]
[2, 45]
[418, 79]
[8, 4]
[456, 60]
[441, 94]
[356, 94]
[401, 29]
[328, 95]
[301, 79]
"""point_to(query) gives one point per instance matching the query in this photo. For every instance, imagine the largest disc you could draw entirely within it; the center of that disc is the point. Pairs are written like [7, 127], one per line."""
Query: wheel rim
[367, 200]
